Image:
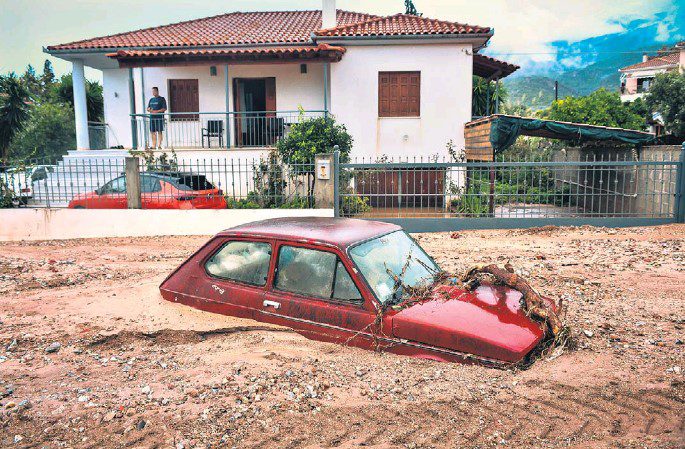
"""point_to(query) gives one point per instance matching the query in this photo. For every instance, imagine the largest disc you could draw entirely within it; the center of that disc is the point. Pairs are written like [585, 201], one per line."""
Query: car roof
[340, 232]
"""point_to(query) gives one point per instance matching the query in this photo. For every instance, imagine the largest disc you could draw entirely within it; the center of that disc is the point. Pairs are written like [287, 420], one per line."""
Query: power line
[572, 52]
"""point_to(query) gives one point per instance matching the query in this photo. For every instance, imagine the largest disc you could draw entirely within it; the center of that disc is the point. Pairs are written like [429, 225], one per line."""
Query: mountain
[584, 66]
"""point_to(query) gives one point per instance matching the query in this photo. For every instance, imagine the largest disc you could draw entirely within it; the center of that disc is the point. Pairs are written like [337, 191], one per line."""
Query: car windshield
[390, 257]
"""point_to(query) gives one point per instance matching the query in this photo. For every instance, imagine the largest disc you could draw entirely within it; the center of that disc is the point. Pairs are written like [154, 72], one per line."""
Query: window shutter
[184, 97]
[399, 94]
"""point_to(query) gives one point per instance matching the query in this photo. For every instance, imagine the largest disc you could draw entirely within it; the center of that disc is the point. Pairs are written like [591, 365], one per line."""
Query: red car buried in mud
[158, 190]
[336, 279]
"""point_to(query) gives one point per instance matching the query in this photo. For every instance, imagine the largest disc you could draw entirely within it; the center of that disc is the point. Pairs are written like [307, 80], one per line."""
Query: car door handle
[274, 304]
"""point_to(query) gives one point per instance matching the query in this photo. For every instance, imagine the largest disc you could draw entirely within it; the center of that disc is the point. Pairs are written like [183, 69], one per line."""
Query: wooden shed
[487, 136]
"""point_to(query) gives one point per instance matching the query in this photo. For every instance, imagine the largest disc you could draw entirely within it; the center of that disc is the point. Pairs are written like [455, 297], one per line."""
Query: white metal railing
[254, 129]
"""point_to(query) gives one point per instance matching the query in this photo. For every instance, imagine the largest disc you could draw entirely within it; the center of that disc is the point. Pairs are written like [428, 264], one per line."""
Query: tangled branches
[533, 304]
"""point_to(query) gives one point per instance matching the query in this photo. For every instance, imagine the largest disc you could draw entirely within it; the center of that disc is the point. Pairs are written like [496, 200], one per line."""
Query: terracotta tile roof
[657, 61]
[400, 25]
[270, 27]
[486, 66]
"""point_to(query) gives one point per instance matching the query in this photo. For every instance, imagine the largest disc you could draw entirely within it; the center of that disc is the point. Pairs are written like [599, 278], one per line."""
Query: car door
[111, 196]
[235, 276]
[150, 191]
[313, 292]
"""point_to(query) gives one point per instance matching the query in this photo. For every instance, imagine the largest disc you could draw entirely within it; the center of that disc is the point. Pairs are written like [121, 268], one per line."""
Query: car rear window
[194, 182]
[241, 261]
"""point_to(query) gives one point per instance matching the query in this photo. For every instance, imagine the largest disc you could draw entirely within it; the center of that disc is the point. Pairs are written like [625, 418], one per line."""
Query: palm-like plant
[484, 91]
[64, 93]
[14, 110]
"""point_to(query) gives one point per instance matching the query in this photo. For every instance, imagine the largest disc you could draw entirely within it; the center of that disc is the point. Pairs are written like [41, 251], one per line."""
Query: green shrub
[352, 205]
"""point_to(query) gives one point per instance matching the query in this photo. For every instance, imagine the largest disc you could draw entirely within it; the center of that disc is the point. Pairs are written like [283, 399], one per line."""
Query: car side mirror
[98, 191]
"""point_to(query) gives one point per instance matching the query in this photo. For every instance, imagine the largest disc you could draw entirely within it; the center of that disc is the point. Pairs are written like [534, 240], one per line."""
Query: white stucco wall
[116, 99]
[293, 90]
[446, 71]
[48, 224]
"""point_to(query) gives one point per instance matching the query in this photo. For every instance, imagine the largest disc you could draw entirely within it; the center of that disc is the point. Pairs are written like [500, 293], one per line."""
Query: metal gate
[441, 196]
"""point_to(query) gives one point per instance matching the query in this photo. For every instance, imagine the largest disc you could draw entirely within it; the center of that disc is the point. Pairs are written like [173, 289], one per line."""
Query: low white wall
[46, 224]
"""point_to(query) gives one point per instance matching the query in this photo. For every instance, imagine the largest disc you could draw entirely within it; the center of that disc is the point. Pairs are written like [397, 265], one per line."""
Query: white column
[80, 106]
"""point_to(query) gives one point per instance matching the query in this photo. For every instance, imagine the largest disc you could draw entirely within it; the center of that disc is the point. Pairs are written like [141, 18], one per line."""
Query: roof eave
[381, 37]
[656, 67]
[66, 51]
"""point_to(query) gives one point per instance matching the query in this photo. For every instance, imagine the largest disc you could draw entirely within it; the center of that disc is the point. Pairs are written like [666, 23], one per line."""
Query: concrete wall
[446, 71]
[45, 224]
[646, 190]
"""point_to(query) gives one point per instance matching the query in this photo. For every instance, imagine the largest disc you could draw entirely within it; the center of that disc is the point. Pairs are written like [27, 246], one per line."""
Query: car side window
[241, 261]
[312, 272]
[116, 185]
[149, 184]
[344, 288]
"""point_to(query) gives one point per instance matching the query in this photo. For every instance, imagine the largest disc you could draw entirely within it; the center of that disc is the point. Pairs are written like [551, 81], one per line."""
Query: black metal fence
[93, 182]
[430, 194]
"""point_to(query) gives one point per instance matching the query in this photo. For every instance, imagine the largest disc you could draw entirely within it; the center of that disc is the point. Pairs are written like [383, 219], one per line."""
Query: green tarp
[505, 129]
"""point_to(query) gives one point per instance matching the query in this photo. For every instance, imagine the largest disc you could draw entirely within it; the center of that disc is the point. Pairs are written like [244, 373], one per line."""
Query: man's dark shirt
[157, 103]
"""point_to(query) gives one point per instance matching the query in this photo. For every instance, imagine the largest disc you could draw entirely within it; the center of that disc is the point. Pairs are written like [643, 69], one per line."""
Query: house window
[399, 94]
[314, 273]
[643, 84]
[246, 262]
[184, 97]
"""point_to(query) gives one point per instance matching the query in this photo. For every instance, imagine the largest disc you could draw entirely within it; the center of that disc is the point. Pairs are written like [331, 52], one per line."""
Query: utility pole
[556, 90]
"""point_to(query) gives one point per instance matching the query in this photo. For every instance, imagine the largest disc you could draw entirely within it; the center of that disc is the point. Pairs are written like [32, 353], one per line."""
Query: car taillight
[26, 190]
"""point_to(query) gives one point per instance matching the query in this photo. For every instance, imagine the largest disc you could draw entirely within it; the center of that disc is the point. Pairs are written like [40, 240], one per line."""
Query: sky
[525, 30]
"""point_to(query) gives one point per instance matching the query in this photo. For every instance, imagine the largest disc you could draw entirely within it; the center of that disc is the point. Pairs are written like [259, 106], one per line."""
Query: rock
[140, 425]
[588, 334]
[54, 347]
[109, 416]
[193, 393]
[146, 389]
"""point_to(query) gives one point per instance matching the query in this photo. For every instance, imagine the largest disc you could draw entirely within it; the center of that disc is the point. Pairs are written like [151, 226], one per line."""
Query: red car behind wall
[159, 190]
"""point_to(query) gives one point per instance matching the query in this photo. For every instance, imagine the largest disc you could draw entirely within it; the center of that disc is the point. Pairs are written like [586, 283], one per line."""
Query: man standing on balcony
[156, 107]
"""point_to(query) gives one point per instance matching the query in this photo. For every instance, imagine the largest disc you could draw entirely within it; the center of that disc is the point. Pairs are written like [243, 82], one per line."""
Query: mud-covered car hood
[487, 322]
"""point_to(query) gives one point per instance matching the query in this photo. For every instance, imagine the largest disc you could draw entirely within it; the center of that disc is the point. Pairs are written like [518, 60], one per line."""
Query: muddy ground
[133, 370]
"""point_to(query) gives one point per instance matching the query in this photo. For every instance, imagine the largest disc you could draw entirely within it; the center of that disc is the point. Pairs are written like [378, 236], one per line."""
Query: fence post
[680, 188]
[324, 181]
[133, 183]
[336, 181]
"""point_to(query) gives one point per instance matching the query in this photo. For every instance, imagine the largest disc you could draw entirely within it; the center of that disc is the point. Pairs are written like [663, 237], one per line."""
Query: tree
[667, 98]
[410, 9]
[13, 110]
[48, 77]
[481, 97]
[315, 135]
[63, 91]
[48, 132]
[31, 82]
[602, 108]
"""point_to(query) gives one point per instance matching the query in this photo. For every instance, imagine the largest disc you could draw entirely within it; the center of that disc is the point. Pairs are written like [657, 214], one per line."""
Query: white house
[636, 78]
[233, 83]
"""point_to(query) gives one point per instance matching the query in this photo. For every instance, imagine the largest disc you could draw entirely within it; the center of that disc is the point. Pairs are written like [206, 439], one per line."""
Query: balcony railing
[254, 129]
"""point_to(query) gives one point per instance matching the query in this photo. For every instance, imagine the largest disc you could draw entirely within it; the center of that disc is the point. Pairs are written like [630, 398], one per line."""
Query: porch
[216, 99]
[217, 130]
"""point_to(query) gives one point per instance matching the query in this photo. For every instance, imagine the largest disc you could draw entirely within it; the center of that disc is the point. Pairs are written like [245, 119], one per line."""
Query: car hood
[487, 322]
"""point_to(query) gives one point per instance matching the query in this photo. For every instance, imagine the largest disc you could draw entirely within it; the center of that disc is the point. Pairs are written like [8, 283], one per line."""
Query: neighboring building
[401, 84]
[636, 78]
